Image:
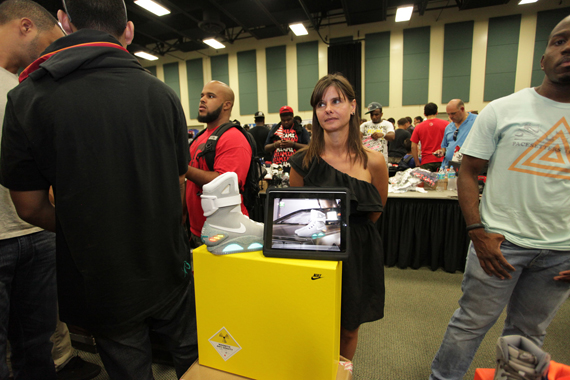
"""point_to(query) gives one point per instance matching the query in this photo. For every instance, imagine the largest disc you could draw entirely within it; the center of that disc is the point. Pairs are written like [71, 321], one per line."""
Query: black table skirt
[424, 232]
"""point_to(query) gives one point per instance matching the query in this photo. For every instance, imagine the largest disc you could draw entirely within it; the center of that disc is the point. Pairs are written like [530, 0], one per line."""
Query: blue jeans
[532, 298]
[127, 355]
[28, 305]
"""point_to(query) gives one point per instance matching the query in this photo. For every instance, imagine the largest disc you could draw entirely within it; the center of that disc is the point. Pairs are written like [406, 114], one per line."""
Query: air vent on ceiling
[211, 22]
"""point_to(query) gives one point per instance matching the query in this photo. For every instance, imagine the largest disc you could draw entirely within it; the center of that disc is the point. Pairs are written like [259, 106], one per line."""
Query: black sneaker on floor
[78, 369]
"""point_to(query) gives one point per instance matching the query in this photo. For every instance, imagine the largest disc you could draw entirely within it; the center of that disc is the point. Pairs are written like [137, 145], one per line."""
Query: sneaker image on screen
[316, 227]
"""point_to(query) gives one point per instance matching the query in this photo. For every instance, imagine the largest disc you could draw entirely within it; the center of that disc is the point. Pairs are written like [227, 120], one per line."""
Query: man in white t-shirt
[519, 257]
[377, 132]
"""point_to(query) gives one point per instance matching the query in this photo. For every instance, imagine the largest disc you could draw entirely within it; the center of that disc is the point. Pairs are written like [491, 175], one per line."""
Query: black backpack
[404, 163]
[256, 170]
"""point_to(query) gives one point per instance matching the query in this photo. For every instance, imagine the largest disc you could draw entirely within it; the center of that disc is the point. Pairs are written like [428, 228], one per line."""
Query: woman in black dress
[336, 157]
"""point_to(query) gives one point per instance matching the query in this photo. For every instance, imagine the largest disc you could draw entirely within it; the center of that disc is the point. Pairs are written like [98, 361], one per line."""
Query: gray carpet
[419, 303]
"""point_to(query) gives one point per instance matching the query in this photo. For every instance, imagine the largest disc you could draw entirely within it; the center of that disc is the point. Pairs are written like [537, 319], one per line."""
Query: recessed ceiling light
[146, 56]
[215, 44]
[404, 13]
[527, 2]
[299, 29]
[153, 7]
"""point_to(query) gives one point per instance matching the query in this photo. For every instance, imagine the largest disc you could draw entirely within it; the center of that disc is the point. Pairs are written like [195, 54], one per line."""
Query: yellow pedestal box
[268, 318]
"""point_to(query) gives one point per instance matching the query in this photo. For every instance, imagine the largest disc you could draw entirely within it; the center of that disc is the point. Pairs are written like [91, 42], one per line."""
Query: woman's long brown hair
[353, 142]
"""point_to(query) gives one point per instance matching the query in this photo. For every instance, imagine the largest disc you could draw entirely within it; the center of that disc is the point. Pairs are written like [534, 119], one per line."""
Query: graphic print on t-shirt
[194, 158]
[283, 154]
[549, 156]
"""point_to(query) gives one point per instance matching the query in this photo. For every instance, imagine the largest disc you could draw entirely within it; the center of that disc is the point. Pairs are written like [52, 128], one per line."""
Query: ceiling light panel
[154, 7]
[146, 56]
[404, 13]
[215, 44]
[299, 29]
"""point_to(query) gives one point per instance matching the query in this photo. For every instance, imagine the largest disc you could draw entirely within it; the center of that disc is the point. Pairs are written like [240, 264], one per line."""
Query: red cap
[285, 109]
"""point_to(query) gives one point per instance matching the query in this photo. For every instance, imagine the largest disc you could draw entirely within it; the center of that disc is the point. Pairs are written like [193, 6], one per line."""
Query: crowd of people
[433, 143]
[88, 123]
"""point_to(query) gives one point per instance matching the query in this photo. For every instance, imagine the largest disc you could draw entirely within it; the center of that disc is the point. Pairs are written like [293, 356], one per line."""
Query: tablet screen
[309, 223]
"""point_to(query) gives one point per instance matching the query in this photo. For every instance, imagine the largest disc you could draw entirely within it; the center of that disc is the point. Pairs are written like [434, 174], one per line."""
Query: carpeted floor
[419, 303]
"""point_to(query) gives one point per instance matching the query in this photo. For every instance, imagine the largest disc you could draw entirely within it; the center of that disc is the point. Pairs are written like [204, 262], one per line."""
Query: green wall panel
[307, 73]
[545, 22]
[377, 68]
[502, 50]
[456, 63]
[410, 90]
[416, 66]
[152, 69]
[455, 88]
[220, 68]
[457, 54]
[172, 77]
[195, 76]
[276, 67]
[247, 76]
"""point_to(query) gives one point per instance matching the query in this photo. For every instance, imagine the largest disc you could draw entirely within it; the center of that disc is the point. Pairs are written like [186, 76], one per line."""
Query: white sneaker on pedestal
[227, 229]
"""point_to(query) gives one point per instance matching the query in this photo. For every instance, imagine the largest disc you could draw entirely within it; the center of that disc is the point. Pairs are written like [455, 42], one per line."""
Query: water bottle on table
[451, 180]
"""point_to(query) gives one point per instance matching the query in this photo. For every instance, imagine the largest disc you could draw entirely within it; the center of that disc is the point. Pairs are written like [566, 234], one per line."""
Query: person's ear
[129, 33]
[541, 65]
[26, 26]
[353, 106]
[227, 105]
[64, 21]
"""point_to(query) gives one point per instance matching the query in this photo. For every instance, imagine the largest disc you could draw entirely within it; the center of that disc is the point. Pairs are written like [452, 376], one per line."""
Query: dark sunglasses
[455, 134]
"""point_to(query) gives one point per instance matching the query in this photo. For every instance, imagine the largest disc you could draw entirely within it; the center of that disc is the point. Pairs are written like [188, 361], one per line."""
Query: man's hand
[377, 135]
[563, 276]
[488, 249]
[438, 153]
[287, 144]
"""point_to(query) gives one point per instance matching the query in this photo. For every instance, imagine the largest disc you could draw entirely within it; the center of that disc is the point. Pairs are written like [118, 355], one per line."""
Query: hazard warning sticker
[224, 343]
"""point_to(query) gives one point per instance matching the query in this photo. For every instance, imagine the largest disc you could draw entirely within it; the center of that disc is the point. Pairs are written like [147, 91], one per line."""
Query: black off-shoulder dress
[363, 272]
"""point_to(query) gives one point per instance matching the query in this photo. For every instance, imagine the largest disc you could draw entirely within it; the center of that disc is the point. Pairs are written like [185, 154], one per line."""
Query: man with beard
[233, 153]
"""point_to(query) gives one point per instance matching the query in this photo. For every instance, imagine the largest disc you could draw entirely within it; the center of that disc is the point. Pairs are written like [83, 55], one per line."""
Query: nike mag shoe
[316, 227]
[518, 358]
[226, 229]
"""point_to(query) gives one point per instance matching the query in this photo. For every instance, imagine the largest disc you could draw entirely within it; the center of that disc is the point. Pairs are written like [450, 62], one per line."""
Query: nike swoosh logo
[239, 230]
[316, 277]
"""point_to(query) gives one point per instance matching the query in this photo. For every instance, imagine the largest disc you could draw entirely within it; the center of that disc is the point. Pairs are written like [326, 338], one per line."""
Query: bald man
[233, 153]
[456, 132]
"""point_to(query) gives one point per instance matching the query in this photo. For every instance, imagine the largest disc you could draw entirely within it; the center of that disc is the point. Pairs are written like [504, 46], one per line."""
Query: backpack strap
[209, 151]
[200, 133]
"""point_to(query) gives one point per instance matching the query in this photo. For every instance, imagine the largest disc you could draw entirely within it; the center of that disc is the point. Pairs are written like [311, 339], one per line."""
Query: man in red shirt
[233, 153]
[286, 138]
[429, 133]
